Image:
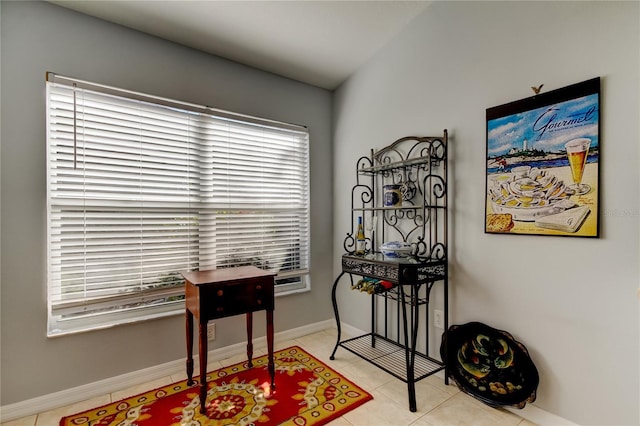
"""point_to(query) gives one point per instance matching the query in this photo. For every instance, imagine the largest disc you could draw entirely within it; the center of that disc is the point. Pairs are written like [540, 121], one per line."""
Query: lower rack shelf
[391, 356]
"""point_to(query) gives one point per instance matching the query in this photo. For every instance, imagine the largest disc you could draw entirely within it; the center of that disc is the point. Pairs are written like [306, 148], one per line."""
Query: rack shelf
[390, 356]
[416, 165]
[390, 209]
[404, 164]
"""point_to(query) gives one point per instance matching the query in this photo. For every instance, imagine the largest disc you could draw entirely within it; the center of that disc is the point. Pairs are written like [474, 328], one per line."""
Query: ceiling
[316, 42]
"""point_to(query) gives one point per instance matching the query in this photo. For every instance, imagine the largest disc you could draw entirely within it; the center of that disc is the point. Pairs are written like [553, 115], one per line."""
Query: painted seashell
[547, 181]
[556, 190]
[535, 173]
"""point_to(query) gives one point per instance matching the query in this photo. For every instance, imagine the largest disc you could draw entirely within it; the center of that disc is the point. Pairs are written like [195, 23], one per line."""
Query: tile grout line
[349, 363]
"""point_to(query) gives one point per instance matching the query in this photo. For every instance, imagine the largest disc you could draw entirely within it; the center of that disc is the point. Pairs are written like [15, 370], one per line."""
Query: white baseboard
[540, 417]
[529, 412]
[91, 390]
[349, 330]
[80, 393]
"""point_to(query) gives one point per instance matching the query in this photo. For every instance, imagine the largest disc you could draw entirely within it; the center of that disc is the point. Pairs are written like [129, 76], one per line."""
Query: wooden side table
[221, 293]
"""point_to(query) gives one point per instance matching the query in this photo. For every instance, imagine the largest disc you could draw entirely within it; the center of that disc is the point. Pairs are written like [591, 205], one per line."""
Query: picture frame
[542, 164]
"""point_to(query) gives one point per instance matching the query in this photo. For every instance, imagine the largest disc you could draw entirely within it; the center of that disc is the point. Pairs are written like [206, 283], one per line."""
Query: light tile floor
[438, 404]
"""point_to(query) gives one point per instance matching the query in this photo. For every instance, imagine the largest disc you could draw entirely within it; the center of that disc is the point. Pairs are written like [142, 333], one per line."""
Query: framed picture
[543, 156]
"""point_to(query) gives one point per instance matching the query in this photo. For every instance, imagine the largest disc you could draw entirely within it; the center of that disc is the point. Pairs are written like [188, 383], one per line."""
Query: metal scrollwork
[362, 197]
[438, 252]
[426, 252]
[360, 267]
[418, 166]
[364, 193]
[400, 194]
[363, 164]
[436, 187]
[349, 244]
[438, 150]
[431, 272]
[408, 190]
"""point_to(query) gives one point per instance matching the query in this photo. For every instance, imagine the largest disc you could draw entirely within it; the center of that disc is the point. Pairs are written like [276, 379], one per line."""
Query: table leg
[203, 367]
[250, 338]
[271, 364]
[189, 323]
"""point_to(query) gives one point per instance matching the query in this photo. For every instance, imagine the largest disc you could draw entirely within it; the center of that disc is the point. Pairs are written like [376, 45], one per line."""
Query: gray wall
[39, 37]
[572, 301]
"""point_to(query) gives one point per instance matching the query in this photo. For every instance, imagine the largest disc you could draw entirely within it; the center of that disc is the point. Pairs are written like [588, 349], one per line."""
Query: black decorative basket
[490, 365]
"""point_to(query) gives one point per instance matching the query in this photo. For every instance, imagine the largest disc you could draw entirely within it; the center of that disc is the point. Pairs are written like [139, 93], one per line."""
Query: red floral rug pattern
[307, 392]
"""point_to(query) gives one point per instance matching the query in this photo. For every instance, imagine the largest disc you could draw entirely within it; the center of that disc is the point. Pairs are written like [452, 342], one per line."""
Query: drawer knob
[220, 293]
[258, 287]
[219, 309]
[259, 301]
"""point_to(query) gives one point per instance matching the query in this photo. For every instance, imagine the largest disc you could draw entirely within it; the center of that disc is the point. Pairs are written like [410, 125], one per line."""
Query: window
[143, 188]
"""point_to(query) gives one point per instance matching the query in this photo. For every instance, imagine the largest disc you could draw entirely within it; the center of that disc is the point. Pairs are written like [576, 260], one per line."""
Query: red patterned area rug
[307, 393]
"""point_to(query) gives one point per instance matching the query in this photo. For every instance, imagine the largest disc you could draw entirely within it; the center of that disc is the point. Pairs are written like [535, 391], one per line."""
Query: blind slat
[141, 189]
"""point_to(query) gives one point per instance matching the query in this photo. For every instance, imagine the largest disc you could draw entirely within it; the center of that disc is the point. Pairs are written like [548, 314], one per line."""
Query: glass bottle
[360, 239]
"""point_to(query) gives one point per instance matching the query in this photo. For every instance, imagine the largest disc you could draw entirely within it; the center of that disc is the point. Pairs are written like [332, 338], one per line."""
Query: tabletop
[228, 275]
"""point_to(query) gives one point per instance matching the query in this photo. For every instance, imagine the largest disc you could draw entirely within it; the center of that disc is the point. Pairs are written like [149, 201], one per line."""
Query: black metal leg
[446, 328]
[337, 315]
[411, 385]
[415, 324]
[407, 326]
[373, 320]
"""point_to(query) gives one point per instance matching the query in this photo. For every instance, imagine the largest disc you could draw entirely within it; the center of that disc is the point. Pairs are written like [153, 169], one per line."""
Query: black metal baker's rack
[417, 167]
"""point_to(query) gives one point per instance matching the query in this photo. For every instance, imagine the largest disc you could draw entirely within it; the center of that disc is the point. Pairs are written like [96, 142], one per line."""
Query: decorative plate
[490, 365]
[528, 193]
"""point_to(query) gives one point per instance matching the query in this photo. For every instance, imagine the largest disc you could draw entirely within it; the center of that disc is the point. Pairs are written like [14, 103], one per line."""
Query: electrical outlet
[211, 331]
[438, 319]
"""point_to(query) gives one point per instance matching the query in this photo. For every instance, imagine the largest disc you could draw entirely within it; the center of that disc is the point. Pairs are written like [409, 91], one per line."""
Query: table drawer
[234, 299]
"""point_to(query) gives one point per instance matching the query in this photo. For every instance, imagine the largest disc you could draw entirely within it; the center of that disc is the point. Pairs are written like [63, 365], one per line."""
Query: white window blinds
[142, 188]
